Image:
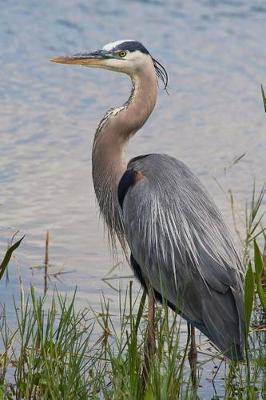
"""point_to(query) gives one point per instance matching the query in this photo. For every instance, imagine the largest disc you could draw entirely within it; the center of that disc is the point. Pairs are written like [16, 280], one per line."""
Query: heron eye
[122, 54]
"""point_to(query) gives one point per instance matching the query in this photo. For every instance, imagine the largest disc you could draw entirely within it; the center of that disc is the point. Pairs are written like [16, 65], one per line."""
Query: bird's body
[177, 251]
[179, 245]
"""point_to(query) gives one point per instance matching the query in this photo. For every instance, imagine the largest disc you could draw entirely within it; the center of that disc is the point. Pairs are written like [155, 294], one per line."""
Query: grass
[263, 98]
[57, 352]
[8, 255]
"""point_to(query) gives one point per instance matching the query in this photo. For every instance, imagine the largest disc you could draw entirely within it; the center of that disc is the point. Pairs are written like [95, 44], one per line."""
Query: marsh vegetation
[56, 351]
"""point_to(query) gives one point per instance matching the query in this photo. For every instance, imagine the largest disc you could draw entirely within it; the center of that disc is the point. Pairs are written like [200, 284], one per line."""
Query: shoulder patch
[126, 181]
[129, 178]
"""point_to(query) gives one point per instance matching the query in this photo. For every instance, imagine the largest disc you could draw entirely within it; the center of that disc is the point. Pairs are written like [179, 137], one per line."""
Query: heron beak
[95, 59]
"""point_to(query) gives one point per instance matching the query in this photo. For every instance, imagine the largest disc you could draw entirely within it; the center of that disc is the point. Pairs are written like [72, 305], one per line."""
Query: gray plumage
[177, 236]
[180, 245]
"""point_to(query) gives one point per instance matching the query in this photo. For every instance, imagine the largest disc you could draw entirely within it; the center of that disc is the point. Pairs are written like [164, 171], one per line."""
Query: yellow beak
[95, 59]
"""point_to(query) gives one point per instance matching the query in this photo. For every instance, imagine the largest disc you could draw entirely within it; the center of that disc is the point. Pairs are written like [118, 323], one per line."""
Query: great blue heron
[180, 246]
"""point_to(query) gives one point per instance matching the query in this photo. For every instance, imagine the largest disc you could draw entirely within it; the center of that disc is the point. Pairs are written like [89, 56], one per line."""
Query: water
[215, 55]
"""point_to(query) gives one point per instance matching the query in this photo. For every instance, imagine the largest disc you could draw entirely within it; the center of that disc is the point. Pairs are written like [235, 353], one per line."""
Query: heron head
[126, 56]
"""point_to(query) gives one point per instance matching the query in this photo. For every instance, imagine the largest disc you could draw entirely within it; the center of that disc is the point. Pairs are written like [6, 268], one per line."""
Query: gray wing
[184, 250]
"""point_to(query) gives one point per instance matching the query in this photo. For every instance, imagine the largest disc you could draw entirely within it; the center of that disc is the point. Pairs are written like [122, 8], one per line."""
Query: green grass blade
[140, 311]
[249, 288]
[263, 98]
[257, 260]
[148, 394]
[258, 271]
[7, 256]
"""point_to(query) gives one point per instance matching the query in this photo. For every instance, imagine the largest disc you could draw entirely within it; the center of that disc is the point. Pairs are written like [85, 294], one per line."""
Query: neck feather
[111, 137]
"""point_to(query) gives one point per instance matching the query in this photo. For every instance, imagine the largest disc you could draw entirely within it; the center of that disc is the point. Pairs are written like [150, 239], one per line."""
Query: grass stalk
[46, 262]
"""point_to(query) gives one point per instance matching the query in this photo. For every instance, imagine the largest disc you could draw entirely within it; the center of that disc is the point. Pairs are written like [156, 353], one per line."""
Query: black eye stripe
[132, 46]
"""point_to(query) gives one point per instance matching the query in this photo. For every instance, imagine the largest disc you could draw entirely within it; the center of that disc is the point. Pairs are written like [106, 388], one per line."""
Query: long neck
[111, 137]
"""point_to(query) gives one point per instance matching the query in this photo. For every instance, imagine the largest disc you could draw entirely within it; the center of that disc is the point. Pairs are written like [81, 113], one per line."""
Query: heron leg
[192, 354]
[149, 346]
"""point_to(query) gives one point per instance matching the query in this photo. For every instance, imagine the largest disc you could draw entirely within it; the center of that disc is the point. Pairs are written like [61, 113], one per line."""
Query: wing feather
[178, 238]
